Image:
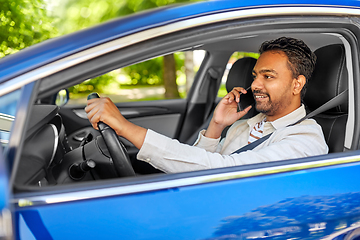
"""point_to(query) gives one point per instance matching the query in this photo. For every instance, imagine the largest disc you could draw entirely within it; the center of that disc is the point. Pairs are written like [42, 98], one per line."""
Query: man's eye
[268, 76]
[253, 76]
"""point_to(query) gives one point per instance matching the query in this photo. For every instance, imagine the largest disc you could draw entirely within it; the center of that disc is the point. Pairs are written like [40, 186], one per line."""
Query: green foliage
[151, 72]
[80, 14]
[145, 73]
[23, 23]
[94, 85]
[27, 22]
[238, 55]
[148, 72]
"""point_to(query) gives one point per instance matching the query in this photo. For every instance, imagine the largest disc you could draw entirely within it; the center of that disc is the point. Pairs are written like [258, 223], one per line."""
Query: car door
[297, 199]
[293, 199]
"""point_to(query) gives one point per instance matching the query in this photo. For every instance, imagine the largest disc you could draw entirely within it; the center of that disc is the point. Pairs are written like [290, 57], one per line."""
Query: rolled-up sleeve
[209, 144]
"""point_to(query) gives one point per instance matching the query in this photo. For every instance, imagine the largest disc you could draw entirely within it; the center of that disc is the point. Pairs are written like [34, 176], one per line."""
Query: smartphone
[246, 99]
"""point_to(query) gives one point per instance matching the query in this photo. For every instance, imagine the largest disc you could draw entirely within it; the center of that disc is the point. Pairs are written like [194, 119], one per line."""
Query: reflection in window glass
[165, 77]
[234, 57]
[7, 115]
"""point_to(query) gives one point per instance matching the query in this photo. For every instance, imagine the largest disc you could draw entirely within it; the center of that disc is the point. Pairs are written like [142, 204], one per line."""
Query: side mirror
[62, 97]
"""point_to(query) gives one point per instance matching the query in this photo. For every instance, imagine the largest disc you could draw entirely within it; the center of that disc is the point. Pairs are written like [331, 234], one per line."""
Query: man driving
[280, 78]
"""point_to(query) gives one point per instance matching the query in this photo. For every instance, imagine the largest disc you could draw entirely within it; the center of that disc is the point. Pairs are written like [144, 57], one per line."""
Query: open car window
[179, 119]
[166, 77]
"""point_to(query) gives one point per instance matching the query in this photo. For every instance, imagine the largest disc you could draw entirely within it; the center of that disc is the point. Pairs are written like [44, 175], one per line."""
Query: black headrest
[240, 74]
[329, 78]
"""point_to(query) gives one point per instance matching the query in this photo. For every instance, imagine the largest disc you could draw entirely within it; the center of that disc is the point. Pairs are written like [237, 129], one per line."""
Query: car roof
[57, 48]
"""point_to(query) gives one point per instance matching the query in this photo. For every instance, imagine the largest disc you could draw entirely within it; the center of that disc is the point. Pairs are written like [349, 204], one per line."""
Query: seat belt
[213, 77]
[337, 100]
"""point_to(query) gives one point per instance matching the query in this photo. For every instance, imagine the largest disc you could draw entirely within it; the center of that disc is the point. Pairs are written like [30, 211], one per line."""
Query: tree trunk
[171, 88]
[189, 69]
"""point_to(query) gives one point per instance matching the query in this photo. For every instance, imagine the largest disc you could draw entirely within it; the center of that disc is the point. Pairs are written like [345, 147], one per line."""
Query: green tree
[79, 14]
[23, 23]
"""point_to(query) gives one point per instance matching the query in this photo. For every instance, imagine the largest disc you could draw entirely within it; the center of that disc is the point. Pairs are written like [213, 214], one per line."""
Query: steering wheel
[116, 148]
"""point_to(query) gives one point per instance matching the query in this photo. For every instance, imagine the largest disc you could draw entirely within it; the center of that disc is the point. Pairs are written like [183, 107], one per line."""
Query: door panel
[306, 204]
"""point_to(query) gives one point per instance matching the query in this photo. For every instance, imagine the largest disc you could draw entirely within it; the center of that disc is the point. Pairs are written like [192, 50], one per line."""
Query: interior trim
[174, 183]
[350, 124]
[56, 142]
[132, 39]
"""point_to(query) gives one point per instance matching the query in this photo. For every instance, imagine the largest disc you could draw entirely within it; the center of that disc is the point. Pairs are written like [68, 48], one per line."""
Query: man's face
[273, 85]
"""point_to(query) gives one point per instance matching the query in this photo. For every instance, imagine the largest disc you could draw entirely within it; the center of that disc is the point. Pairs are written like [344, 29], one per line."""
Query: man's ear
[299, 83]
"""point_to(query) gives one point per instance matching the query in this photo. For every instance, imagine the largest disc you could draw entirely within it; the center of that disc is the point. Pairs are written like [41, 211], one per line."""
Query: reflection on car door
[302, 199]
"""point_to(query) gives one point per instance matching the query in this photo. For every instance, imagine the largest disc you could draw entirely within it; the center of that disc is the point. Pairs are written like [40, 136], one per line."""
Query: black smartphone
[246, 99]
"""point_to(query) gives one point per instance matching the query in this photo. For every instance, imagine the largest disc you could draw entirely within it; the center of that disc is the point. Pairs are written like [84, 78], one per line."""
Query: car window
[165, 77]
[234, 57]
[7, 115]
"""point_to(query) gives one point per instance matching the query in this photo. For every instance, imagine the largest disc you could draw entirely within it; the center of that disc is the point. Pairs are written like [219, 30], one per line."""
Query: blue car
[59, 177]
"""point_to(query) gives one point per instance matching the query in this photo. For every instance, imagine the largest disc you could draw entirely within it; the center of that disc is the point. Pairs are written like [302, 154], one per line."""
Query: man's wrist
[214, 130]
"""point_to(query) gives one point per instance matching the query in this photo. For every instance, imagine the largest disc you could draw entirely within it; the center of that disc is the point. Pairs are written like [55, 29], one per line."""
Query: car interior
[69, 150]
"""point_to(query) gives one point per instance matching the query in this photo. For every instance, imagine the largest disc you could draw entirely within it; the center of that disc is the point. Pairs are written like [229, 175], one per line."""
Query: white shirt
[302, 140]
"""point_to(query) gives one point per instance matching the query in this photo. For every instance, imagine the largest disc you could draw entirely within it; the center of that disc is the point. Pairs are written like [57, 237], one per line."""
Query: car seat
[329, 79]
[240, 75]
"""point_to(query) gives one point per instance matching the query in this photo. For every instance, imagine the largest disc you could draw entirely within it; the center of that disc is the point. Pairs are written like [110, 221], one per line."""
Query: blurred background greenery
[24, 23]
[27, 22]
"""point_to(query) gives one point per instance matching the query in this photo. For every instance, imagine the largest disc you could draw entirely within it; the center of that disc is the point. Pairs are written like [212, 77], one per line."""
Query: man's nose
[256, 84]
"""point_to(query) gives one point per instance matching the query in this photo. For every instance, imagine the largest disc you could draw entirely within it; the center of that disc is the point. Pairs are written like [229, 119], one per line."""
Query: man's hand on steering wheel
[117, 150]
[103, 109]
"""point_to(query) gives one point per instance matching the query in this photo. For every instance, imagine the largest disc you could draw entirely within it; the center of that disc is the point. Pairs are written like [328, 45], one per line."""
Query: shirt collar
[292, 117]
[283, 121]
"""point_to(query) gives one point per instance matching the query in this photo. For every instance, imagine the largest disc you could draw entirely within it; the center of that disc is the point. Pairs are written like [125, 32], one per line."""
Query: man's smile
[260, 96]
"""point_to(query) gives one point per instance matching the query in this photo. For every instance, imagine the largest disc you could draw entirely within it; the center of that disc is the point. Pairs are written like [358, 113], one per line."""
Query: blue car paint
[57, 48]
[4, 183]
[202, 211]
[194, 212]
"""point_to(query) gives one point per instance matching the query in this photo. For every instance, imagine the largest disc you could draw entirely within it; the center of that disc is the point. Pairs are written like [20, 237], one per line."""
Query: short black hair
[301, 59]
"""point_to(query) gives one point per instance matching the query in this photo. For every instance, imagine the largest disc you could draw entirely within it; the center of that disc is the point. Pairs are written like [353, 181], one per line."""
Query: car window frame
[46, 85]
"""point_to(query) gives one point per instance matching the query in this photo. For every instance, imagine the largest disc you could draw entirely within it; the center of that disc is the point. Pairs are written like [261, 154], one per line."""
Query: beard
[268, 107]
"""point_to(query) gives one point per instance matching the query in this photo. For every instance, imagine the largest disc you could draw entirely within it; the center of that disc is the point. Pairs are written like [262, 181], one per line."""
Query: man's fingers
[236, 92]
[94, 125]
[244, 112]
[94, 111]
[234, 95]
[94, 117]
[240, 89]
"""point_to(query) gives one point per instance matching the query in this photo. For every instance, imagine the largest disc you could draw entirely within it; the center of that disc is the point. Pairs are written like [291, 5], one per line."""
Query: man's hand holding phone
[246, 100]
[226, 112]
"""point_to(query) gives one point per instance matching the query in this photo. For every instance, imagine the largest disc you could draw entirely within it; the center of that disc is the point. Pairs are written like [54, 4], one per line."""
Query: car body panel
[298, 199]
[214, 210]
